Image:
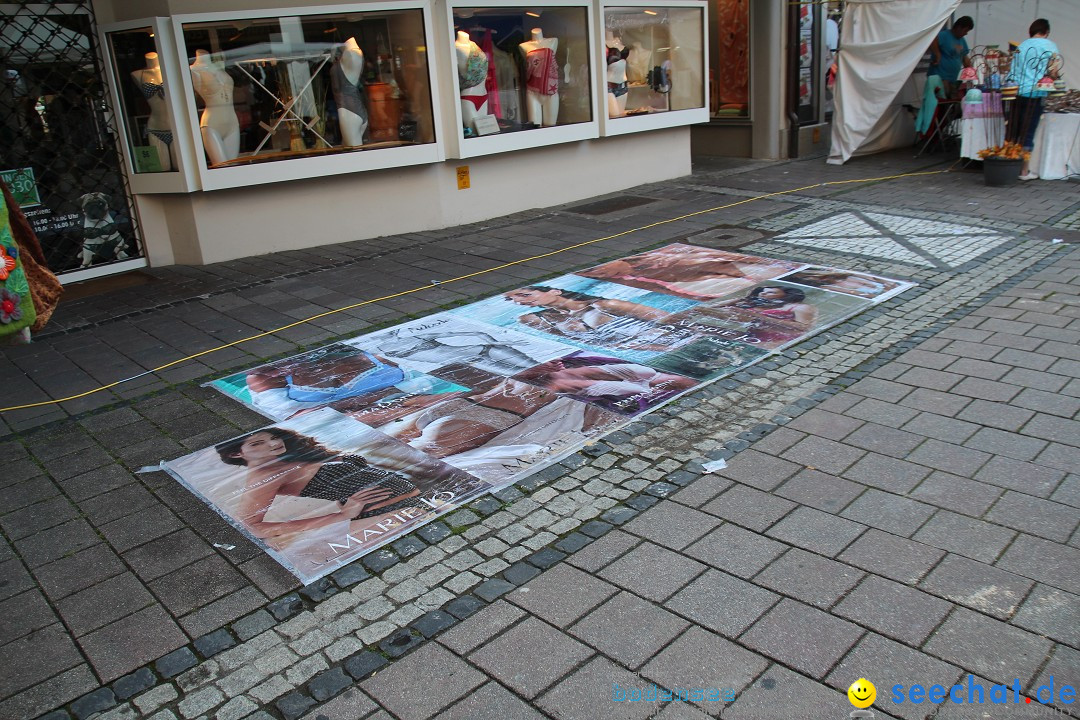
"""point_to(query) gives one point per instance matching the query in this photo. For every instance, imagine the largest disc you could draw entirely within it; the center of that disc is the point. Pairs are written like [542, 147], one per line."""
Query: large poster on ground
[374, 436]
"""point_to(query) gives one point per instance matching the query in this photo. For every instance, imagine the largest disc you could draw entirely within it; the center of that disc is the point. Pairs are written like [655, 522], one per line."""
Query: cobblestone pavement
[900, 502]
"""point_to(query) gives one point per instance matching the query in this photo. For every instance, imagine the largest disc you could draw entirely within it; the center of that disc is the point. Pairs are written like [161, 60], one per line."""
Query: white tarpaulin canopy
[882, 42]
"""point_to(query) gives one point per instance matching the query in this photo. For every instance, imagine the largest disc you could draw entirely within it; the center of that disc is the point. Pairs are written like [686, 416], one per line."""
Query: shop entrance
[58, 148]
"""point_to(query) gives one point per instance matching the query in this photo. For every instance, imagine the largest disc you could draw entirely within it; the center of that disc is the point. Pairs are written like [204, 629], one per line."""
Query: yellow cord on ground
[463, 277]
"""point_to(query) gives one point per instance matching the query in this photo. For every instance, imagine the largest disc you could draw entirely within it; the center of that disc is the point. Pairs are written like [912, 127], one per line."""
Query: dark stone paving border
[362, 664]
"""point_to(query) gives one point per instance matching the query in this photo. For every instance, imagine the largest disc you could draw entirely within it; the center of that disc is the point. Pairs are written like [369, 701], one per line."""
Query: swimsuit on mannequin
[344, 84]
[541, 78]
[158, 128]
[616, 81]
[219, 124]
[472, 66]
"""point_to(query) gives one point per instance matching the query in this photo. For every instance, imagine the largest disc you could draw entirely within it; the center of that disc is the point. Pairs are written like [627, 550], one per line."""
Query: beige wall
[207, 227]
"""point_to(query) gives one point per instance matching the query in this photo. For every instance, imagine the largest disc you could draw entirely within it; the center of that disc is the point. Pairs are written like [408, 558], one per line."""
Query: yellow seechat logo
[862, 693]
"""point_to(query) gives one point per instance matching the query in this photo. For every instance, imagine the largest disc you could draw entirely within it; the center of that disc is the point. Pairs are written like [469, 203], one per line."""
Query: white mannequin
[344, 83]
[470, 109]
[616, 75]
[638, 64]
[542, 107]
[152, 87]
[219, 124]
[612, 40]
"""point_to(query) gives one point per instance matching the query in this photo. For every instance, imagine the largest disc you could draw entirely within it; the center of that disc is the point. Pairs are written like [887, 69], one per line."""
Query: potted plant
[1002, 163]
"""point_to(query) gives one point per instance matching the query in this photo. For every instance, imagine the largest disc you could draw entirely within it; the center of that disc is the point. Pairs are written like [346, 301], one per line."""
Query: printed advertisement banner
[377, 435]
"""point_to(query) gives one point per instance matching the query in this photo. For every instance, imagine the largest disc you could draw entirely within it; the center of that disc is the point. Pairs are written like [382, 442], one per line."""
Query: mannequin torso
[158, 127]
[541, 78]
[637, 64]
[616, 81]
[219, 124]
[472, 67]
[344, 84]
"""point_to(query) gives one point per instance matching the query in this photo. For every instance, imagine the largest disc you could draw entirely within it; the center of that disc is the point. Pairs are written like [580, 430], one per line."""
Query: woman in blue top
[950, 51]
[1033, 60]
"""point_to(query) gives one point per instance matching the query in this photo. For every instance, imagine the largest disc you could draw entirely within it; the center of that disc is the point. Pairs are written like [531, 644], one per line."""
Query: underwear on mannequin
[164, 136]
[618, 89]
[477, 100]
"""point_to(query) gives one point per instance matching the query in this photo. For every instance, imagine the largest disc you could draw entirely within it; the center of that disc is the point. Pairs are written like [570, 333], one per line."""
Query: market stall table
[1056, 154]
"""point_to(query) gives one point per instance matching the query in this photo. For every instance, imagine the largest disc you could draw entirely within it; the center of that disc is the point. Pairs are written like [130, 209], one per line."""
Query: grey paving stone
[935, 401]
[884, 413]
[1000, 442]
[803, 637]
[481, 627]
[164, 555]
[14, 578]
[1062, 457]
[779, 440]
[329, 683]
[943, 428]
[350, 705]
[95, 702]
[131, 642]
[894, 610]
[38, 517]
[434, 622]
[362, 664]
[1052, 613]
[491, 702]
[702, 490]
[215, 642]
[894, 557]
[993, 649]
[814, 530]
[293, 705]
[393, 686]
[929, 378]
[543, 559]
[978, 586]
[131, 685]
[735, 550]
[886, 473]
[993, 414]
[762, 471]
[1051, 563]
[703, 660]
[1050, 427]
[195, 585]
[749, 507]
[464, 606]
[884, 390]
[884, 440]
[966, 536]
[672, 525]
[176, 662]
[985, 389]
[958, 494]
[1068, 491]
[1029, 478]
[590, 693]
[825, 424]
[491, 589]
[950, 458]
[562, 595]
[651, 571]
[55, 543]
[103, 603]
[530, 657]
[1044, 518]
[1063, 664]
[24, 613]
[251, 625]
[1045, 402]
[722, 603]
[808, 577]
[888, 512]
[628, 629]
[819, 490]
[400, 642]
[821, 454]
[782, 693]
[876, 656]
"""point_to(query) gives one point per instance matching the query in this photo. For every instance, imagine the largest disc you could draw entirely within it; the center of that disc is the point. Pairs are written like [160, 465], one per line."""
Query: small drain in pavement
[610, 205]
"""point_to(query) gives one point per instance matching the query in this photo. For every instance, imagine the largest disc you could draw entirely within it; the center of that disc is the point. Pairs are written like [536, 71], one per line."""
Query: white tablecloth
[979, 133]
[1057, 146]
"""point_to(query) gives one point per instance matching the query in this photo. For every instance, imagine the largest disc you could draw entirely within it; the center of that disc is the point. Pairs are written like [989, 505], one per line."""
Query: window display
[521, 69]
[141, 92]
[729, 74]
[279, 88]
[655, 60]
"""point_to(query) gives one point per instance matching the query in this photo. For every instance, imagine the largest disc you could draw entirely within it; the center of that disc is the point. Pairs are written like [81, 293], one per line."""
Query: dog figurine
[101, 236]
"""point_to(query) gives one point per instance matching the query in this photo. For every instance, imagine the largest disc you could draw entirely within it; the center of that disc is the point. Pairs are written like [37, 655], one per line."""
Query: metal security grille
[58, 146]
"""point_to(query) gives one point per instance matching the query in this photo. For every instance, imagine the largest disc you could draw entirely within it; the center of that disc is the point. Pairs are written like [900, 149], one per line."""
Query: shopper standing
[1036, 58]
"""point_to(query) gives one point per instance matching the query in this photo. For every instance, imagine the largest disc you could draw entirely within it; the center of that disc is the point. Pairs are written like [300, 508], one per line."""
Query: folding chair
[942, 126]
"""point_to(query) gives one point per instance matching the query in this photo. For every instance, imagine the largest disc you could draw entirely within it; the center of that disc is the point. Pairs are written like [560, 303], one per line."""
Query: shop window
[144, 106]
[655, 60]
[521, 69]
[270, 89]
[58, 149]
[729, 74]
